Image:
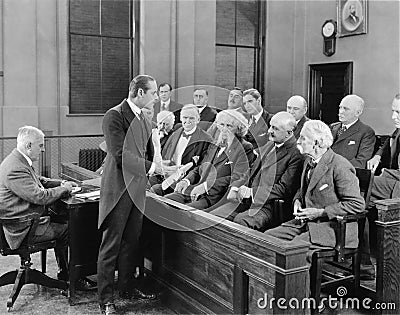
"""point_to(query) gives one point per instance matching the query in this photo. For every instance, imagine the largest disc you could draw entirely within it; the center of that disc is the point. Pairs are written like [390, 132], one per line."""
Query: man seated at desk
[225, 164]
[23, 192]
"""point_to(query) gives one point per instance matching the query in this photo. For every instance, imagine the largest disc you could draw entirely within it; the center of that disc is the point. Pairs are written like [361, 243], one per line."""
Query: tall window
[101, 53]
[238, 43]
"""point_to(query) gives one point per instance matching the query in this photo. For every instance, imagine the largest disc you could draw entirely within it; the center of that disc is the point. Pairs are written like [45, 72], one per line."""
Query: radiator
[91, 159]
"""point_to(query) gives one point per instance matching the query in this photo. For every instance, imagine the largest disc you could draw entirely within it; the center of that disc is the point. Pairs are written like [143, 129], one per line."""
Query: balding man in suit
[297, 106]
[274, 175]
[329, 187]
[351, 138]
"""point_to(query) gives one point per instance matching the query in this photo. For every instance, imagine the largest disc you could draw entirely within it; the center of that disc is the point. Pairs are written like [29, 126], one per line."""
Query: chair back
[365, 180]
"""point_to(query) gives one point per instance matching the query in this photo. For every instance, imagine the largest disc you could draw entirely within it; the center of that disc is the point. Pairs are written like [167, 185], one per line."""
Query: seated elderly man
[22, 192]
[187, 144]
[226, 164]
[274, 175]
[329, 187]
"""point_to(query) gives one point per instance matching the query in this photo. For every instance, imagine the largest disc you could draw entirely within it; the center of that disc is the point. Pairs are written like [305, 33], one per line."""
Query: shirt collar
[257, 117]
[278, 145]
[135, 109]
[190, 132]
[26, 157]
[166, 102]
[201, 108]
[349, 125]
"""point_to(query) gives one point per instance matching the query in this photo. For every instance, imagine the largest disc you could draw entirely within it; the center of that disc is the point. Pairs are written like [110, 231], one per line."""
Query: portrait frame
[352, 17]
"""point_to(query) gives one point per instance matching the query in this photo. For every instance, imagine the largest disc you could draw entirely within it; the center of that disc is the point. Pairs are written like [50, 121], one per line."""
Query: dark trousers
[257, 218]
[119, 248]
[58, 232]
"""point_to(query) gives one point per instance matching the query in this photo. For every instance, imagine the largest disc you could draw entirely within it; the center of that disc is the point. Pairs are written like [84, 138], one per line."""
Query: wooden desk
[84, 238]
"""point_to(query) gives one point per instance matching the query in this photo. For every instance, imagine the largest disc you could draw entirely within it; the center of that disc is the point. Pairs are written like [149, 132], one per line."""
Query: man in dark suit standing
[129, 159]
[274, 175]
[186, 144]
[225, 164]
[165, 102]
[351, 138]
[297, 106]
[329, 187]
[207, 114]
[259, 118]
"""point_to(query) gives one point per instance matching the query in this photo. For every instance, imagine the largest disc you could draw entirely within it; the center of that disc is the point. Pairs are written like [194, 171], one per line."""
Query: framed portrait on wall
[352, 17]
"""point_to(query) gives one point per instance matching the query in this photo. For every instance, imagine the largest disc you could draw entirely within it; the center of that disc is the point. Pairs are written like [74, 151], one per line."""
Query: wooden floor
[34, 299]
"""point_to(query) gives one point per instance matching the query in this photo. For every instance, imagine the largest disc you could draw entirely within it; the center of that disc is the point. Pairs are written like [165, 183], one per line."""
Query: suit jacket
[278, 172]
[333, 187]
[258, 133]
[197, 145]
[22, 192]
[356, 144]
[391, 147]
[207, 116]
[129, 158]
[299, 126]
[174, 107]
[231, 168]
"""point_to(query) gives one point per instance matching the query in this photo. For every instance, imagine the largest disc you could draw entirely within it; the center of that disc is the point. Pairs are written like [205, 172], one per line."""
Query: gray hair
[354, 99]
[191, 107]
[28, 134]
[165, 115]
[320, 132]
[239, 120]
[297, 99]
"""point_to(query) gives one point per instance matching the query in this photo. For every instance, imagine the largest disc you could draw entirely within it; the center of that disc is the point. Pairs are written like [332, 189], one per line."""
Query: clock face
[328, 29]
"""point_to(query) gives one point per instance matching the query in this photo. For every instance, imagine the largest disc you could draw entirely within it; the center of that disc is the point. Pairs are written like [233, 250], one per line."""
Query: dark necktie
[309, 171]
[341, 130]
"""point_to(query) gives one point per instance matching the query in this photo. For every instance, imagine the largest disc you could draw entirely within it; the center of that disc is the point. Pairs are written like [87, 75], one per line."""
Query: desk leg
[72, 286]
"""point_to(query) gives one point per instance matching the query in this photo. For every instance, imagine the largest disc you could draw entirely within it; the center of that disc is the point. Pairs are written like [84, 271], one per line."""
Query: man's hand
[181, 186]
[197, 192]
[309, 214]
[373, 163]
[296, 207]
[244, 192]
[69, 185]
[233, 195]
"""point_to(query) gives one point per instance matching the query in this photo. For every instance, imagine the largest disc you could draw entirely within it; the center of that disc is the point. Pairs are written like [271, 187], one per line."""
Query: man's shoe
[108, 308]
[85, 284]
[139, 294]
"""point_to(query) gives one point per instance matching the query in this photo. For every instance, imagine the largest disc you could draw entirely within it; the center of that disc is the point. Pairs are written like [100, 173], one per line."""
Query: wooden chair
[25, 274]
[339, 254]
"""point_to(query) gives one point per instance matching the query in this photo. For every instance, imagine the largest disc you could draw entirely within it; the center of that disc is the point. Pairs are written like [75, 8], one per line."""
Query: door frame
[314, 97]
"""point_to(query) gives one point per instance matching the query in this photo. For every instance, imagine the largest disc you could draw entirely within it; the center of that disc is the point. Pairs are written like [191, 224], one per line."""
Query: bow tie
[185, 135]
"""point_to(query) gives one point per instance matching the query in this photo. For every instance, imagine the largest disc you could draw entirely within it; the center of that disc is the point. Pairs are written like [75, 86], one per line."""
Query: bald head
[297, 106]
[350, 108]
[281, 127]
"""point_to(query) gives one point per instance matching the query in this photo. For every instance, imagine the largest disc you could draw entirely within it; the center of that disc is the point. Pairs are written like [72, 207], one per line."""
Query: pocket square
[323, 187]
[351, 142]
[263, 134]
[229, 162]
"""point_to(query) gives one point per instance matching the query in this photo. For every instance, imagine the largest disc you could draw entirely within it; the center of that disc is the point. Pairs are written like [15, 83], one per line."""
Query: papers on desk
[76, 189]
[94, 182]
[93, 195]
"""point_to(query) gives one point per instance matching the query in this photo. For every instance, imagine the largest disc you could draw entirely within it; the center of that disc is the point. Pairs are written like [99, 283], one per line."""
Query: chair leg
[8, 278]
[37, 277]
[19, 282]
[356, 259]
[315, 281]
[43, 258]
